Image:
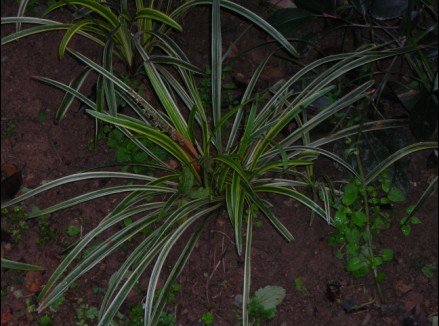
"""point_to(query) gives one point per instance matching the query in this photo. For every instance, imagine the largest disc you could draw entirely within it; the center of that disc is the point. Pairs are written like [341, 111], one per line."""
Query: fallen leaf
[402, 288]
[32, 281]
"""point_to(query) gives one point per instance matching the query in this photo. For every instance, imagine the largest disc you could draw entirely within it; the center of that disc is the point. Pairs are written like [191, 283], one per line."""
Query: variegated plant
[104, 24]
[227, 162]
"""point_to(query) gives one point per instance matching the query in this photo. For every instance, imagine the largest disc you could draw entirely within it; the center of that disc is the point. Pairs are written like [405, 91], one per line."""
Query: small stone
[237, 300]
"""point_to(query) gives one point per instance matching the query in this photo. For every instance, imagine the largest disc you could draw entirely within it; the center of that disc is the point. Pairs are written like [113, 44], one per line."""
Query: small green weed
[15, 221]
[227, 87]
[136, 313]
[298, 283]
[207, 318]
[363, 212]
[42, 115]
[45, 320]
[9, 129]
[128, 154]
[86, 313]
[45, 231]
[57, 304]
[407, 222]
[98, 290]
[357, 221]
[258, 222]
[167, 319]
[73, 230]
[136, 317]
[429, 270]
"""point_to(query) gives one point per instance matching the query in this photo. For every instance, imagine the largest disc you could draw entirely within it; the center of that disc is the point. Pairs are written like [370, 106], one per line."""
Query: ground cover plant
[219, 172]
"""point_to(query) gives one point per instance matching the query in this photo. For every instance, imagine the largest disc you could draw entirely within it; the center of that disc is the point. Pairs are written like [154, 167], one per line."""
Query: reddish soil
[212, 279]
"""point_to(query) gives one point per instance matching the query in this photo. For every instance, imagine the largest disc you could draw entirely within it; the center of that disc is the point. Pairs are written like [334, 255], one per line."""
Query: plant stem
[367, 212]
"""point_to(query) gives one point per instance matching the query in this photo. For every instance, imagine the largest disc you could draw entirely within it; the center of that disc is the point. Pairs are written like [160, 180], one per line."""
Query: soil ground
[212, 280]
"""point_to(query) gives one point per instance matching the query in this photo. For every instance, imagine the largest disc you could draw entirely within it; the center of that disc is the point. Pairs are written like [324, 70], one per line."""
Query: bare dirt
[212, 280]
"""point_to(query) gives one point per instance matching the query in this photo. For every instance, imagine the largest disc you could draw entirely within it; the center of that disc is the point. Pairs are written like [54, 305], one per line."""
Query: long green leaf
[75, 178]
[150, 13]
[10, 264]
[243, 12]
[67, 101]
[177, 268]
[153, 190]
[247, 268]
[216, 67]
[68, 35]
[403, 152]
[157, 137]
[235, 208]
[292, 194]
[50, 292]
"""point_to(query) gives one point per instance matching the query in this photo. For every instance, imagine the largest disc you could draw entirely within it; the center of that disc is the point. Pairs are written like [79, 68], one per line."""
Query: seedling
[16, 221]
[84, 313]
[73, 230]
[9, 129]
[45, 320]
[298, 283]
[207, 318]
[128, 154]
[42, 115]
[258, 222]
[45, 231]
[166, 319]
[429, 270]
[227, 87]
[407, 222]
[57, 304]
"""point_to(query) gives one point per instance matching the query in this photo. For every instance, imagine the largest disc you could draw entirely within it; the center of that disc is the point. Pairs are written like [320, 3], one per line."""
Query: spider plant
[228, 162]
[102, 23]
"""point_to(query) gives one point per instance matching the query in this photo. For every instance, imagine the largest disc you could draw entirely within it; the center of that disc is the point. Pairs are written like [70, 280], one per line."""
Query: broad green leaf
[350, 194]
[359, 219]
[414, 220]
[396, 195]
[354, 264]
[406, 229]
[387, 254]
[376, 261]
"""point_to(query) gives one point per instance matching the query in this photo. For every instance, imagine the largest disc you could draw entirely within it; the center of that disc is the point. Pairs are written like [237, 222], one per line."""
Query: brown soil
[212, 279]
